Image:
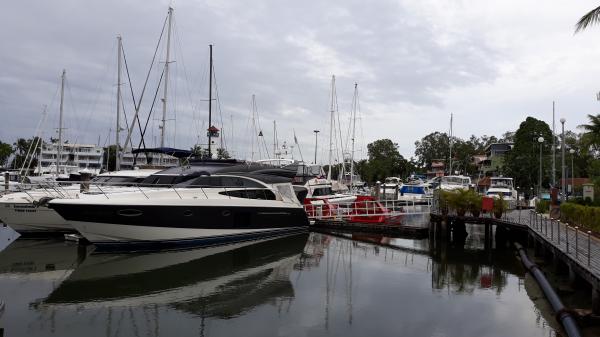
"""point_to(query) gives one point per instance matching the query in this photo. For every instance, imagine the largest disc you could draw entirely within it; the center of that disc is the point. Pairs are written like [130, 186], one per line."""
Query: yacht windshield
[456, 180]
[321, 191]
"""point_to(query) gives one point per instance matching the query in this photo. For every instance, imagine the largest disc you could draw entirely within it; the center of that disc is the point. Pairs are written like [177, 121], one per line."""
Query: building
[493, 164]
[73, 158]
[437, 169]
[152, 159]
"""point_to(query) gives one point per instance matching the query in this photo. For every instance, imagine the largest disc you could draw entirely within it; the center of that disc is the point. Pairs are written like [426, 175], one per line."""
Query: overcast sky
[490, 63]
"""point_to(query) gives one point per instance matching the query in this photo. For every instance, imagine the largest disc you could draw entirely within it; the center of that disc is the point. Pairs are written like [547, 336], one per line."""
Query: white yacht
[319, 188]
[27, 213]
[502, 186]
[417, 192]
[450, 183]
[388, 188]
[207, 210]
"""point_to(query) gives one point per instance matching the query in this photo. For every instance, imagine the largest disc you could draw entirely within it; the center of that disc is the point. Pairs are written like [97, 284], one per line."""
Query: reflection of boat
[35, 259]
[219, 280]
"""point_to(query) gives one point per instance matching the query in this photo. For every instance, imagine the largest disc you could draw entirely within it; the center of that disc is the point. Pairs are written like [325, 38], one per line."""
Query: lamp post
[316, 132]
[572, 152]
[541, 141]
[562, 147]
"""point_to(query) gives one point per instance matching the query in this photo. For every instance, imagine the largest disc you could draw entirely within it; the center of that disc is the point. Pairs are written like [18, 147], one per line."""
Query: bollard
[85, 182]
[6, 180]
[589, 247]
[377, 190]
[576, 241]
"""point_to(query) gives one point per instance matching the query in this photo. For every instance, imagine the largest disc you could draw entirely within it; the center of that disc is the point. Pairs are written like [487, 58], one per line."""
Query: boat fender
[42, 202]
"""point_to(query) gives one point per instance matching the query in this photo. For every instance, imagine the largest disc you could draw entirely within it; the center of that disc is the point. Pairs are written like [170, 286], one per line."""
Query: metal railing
[322, 209]
[570, 239]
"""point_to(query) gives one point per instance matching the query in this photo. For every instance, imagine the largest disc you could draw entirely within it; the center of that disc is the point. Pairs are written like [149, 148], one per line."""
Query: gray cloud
[284, 52]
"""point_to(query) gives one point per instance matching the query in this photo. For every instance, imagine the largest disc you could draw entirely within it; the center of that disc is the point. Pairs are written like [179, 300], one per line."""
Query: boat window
[262, 194]
[321, 191]
[158, 180]
[287, 193]
[221, 181]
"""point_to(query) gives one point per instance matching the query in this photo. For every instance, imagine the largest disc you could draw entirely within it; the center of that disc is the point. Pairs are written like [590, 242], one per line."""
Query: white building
[74, 158]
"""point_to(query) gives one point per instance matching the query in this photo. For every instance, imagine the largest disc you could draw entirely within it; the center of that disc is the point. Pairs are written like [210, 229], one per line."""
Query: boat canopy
[177, 153]
[412, 189]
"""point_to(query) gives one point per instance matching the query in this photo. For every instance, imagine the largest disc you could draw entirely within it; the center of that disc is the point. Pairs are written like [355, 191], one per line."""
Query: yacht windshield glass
[321, 191]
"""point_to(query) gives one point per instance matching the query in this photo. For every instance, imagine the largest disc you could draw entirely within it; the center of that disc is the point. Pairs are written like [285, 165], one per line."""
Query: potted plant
[461, 201]
[475, 203]
[500, 206]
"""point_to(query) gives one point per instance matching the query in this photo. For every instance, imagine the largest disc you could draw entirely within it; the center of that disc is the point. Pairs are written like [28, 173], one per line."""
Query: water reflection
[318, 285]
[209, 281]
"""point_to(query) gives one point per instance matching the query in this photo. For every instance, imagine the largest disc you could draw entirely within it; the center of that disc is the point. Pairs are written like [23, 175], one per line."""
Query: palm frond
[591, 18]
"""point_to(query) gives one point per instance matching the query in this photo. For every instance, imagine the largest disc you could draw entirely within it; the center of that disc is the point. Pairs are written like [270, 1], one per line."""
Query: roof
[575, 181]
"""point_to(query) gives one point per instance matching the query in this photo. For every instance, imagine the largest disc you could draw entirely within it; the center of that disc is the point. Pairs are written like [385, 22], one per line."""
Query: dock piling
[6, 180]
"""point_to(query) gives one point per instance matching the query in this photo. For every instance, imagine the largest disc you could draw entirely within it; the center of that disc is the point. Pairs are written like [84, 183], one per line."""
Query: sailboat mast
[450, 144]
[118, 129]
[254, 134]
[275, 139]
[553, 149]
[355, 106]
[331, 121]
[164, 100]
[210, 78]
[60, 121]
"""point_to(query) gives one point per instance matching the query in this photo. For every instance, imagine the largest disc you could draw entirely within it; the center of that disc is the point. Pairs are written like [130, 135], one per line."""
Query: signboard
[487, 204]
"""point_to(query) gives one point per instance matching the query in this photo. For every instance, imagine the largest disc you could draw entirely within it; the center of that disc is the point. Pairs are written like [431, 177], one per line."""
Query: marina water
[302, 285]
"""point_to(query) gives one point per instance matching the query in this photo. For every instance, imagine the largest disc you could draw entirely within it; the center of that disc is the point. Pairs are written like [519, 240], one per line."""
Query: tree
[222, 153]
[522, 162]
[5, 151]
[592, 17]
[591, 136]
[433, 146]
[24, 146]
[384, 161]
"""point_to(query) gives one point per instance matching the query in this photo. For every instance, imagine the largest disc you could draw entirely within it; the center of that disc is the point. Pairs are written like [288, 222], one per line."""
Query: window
[263, 194]
[221, 181]
[321, 191]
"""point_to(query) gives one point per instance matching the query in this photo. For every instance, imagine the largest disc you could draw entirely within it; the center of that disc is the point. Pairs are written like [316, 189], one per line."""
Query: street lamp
[572, 152]
[562, 145]
[316, 132]
[540, 140]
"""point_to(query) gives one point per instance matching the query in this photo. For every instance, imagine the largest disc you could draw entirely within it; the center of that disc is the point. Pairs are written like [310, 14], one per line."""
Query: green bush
[500, 205]
[585, 216]
[542, 206]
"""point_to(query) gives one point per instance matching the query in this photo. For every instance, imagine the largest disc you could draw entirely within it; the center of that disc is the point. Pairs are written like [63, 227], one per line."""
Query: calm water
[305, 285]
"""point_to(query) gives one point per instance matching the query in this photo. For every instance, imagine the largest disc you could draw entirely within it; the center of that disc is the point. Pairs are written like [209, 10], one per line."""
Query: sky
[491, 64]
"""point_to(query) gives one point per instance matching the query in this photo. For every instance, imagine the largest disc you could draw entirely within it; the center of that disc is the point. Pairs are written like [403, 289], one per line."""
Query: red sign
[487, 204]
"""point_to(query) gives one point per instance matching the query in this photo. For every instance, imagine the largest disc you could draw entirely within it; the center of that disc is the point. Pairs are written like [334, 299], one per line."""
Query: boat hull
[26, 218]
[156, 227]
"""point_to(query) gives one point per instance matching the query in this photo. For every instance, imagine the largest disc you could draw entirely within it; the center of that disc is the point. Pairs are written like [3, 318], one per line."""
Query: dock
[570, 248]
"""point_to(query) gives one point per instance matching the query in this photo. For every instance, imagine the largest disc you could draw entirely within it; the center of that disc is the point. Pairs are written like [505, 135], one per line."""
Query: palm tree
[592, 131]
[591, 18]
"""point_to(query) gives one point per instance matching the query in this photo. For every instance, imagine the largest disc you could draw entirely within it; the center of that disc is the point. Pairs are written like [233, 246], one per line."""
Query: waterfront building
[73, 158]
[436, 169]
[493, 164]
